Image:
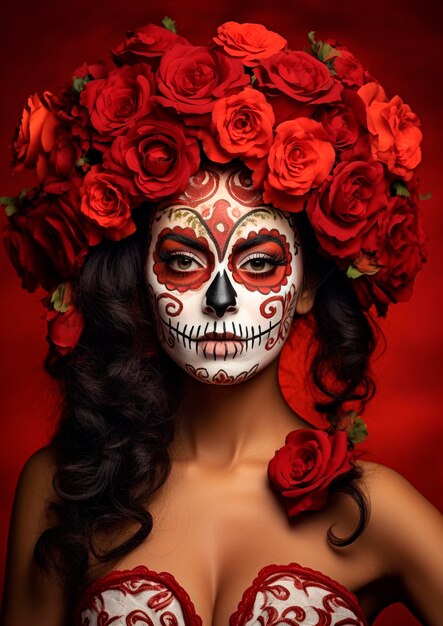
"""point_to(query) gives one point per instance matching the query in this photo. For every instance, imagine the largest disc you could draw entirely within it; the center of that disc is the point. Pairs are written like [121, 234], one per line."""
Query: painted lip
[219, 345]
[224, 336]
[213, 348]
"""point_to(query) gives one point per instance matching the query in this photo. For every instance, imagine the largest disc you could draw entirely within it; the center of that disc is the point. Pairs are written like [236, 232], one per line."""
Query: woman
[167, 338]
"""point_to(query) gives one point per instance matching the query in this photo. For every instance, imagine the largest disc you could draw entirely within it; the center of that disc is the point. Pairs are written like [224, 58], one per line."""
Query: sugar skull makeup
[224, 272]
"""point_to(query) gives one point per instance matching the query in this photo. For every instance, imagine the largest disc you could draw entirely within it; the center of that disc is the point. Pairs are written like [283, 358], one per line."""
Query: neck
[223, 425]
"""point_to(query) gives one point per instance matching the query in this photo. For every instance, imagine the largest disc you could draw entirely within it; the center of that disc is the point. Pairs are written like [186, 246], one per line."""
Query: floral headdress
[318, 132]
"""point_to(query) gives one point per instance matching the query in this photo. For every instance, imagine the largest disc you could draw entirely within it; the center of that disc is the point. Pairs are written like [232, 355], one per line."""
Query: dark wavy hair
[120, 393]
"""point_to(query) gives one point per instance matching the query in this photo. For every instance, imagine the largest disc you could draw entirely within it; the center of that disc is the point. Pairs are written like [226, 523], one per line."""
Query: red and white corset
[281, 594]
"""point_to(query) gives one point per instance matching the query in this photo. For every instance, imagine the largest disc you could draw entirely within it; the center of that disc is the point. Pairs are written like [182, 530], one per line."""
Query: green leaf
[24, 193]
[358, 432]
[311, 37]
[58, 299]
[169, 24]
[78, 84]
[323, 51]
[426, 196]
[9, 203]
[353, 272]
[253, 79]
[400, 189]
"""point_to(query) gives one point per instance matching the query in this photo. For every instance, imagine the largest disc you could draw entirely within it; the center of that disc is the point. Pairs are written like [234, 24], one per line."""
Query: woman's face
[224, 272]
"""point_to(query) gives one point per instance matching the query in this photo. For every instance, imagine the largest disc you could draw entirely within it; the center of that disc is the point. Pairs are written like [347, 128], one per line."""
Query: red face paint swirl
[182, 261]
[261, 261]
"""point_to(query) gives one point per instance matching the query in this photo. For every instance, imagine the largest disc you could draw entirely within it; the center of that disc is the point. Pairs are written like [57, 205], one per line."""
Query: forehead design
[218, 200]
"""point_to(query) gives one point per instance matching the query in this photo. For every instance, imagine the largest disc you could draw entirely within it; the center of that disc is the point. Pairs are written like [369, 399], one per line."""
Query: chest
[217, 536]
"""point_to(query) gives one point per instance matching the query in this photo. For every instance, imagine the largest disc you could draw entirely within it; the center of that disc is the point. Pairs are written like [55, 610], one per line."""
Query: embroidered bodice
[280, 594]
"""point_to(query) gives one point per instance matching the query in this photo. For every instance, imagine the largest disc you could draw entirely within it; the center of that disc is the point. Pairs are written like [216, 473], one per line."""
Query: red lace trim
[142, 572]
[250, 593]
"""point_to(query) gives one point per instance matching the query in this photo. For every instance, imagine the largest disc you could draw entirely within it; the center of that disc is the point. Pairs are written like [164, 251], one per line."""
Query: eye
[259, 263]
[183, 262]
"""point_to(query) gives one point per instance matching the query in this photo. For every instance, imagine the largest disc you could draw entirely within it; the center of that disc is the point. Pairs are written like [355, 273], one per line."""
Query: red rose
[394, 128]
[248, 42]
[156, 158]
[347, 205]
[106, 201]
[65, 235]
[347, 67]
[31, 263]
[65, 328]
[119, 100]
[242, 125]
[303, 469]
[146, 44]
[193, 78]
[401, 248]
[35, 133]
[54, 168]
[300, 76]
[90, 71]
[343, 123]
[300, 159]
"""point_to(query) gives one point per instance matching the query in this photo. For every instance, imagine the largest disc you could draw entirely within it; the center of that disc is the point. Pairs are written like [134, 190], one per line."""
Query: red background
[42, 42]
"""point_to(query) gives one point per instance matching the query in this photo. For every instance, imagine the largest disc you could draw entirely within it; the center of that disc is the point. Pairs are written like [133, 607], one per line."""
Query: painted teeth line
[247, 334]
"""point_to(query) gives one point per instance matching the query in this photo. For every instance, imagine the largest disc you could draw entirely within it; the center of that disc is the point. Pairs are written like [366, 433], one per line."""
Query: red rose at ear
[300, 76]
[300, 158]
[106, 201]
[146, 44]
[155, 157]
[119, 100]
[64, 329]
[302, 470]
[248, 42]
[192, 78]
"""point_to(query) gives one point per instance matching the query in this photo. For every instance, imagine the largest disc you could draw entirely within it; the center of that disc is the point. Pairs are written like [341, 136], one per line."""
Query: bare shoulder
[31, 596]
[397, 508]
[406, 532]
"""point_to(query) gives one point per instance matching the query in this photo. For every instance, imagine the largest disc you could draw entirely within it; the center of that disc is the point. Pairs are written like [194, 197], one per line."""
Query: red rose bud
[65, 329]
[302, 470]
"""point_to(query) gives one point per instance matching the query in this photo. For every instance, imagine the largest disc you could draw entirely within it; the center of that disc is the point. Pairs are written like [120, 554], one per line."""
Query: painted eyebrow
[187, 241]
[246, 245]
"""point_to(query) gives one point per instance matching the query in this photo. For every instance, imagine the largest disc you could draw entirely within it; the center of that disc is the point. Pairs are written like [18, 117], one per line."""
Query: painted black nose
[220, 294]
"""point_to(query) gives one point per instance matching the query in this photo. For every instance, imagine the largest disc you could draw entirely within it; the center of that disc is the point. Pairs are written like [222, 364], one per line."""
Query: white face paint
[224, 272]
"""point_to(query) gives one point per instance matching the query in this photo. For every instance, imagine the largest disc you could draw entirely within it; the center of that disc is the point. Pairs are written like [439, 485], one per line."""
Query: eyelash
[167, 257]
[273, 259]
